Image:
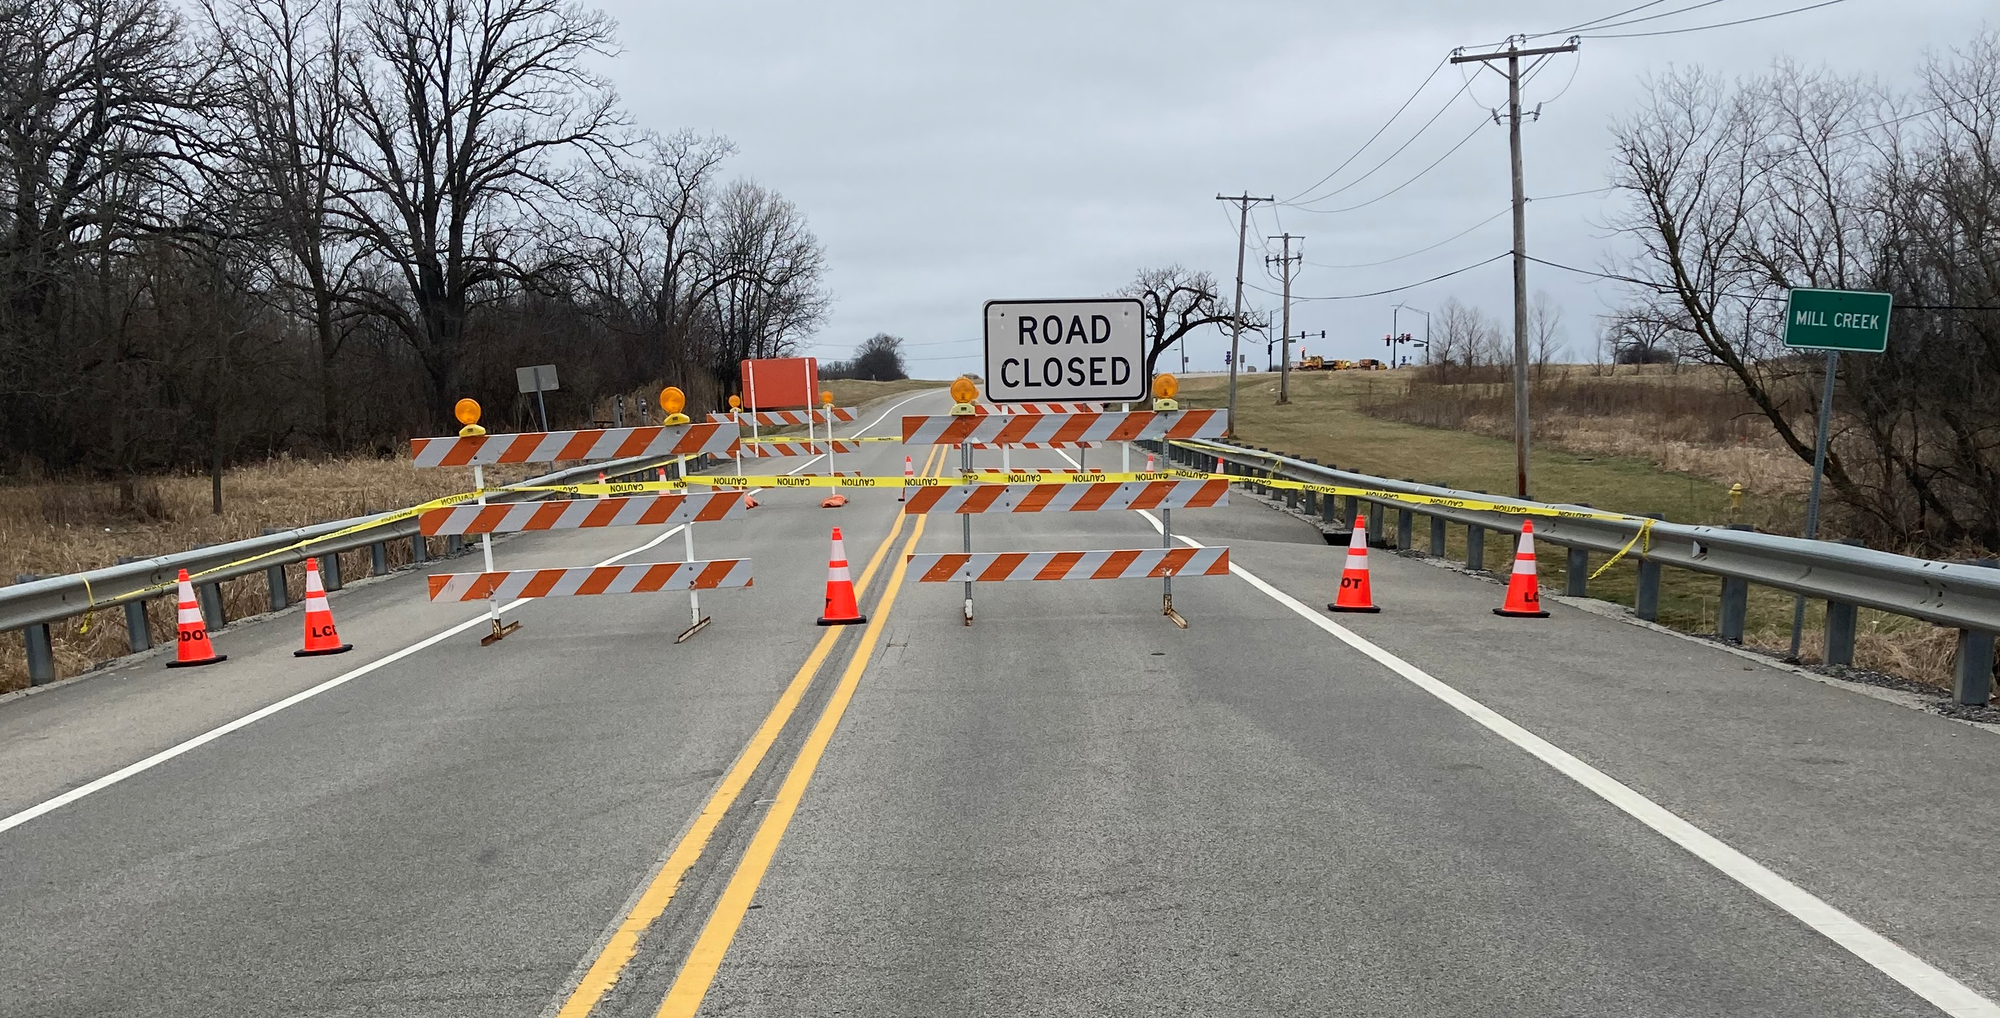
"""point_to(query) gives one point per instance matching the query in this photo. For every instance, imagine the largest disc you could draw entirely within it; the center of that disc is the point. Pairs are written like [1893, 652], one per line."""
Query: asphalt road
[1069, 807]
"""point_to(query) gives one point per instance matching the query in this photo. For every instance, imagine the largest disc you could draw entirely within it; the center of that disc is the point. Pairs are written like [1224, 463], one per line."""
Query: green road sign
[1849, 320]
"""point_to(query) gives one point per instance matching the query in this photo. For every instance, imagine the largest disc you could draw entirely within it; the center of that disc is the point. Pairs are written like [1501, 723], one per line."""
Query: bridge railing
[1959, 595]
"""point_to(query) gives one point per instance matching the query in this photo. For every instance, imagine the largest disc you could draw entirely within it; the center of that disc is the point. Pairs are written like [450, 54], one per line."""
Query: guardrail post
[1406, 524]
[1291, 498]
[1475, 547]
[138, 635]
[41, 654]
[274, 577]
[419, 554]
[1735, 606]
[1329, 509]
[1437, 537]
[1840, 619]
[41, 646]
[1378, 525]
[1646, 601]
[378, 558]
[329, 571]
[453, 544]
[1972, 678]
[1576, 573]
[209, 595]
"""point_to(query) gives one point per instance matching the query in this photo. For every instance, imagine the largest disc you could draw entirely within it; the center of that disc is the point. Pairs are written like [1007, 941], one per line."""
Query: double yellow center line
[699, 970]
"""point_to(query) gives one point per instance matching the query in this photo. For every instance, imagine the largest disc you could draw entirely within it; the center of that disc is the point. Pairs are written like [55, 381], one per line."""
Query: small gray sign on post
[538, 379]
[1851, 321]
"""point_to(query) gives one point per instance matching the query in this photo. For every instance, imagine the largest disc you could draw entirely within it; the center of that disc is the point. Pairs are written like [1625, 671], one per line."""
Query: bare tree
[283, 72]
[1175, 301]
[463, 114]
[1545, 331]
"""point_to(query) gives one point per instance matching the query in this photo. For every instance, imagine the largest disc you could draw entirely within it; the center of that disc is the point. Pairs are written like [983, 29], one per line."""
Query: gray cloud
[949, 153]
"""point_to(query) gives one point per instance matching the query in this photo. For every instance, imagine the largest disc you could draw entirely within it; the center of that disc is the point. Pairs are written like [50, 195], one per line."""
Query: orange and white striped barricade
[788, 418]
[1163, 492]
[476, 449]
[772, 447]
[1068, 497]
[643, 578]
[1123, 564]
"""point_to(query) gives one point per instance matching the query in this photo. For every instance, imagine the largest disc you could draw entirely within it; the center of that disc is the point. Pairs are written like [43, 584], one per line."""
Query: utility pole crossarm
[1467, 58]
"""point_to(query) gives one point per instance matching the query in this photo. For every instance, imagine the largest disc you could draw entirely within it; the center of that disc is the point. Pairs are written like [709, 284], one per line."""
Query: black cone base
[342, 649]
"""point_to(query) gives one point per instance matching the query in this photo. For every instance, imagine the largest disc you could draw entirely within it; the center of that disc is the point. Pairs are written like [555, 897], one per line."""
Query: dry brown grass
[64, 525]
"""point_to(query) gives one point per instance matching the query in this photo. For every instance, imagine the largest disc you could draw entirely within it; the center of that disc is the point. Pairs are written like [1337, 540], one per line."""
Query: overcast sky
[949, 153]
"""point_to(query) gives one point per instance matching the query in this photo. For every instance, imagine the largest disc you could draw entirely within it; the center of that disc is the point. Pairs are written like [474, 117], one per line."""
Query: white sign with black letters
[1089, 349]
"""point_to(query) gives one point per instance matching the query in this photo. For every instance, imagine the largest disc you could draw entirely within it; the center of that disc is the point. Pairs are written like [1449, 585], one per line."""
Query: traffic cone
[1354, 594]
[840, 607]
[1149, 462]
[909, 471]
[321, 638]
[1524, 597]
[193, 647]
[601, 480]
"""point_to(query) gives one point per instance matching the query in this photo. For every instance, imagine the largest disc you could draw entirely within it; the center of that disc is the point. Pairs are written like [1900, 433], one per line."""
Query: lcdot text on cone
[192, 647]
[1524, 598]
[1355, 595]
[840, 607]
[321, 637]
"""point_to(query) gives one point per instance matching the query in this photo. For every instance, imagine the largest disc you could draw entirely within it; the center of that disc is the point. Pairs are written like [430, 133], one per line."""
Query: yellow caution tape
[1645, 533]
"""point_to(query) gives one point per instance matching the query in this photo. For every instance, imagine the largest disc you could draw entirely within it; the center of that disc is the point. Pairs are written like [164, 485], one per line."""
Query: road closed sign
[1090, 349]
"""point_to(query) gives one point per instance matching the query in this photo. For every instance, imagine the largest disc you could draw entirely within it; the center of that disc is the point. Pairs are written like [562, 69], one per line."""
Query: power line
[1369, 265]
[1656, 17]
[1386, 160]
[1404, 184]
[1665, 288]
[1371, 138]
[1397, 289]
[1724, 24]
[1587, 24]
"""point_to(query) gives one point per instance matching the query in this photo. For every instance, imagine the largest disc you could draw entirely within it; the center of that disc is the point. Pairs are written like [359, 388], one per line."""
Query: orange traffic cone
[1524, 598]
[1149, 462]
[909, 471]
[840, 607]
[193, 647]
[601, 480]
[321, 638]
[1354, 594]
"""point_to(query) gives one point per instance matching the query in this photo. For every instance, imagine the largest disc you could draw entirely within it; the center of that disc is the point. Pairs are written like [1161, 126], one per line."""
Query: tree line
[253, 225]
[1800, 177]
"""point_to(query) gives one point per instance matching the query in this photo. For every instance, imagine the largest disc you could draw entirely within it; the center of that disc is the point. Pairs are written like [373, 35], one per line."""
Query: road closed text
[1053, 350]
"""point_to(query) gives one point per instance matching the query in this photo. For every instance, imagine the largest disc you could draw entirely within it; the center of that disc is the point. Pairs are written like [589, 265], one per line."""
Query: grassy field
[854, 391]
[1329, 419]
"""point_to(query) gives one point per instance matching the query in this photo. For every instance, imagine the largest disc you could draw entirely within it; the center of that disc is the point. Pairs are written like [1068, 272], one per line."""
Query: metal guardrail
[31, 606]
[1962, 596]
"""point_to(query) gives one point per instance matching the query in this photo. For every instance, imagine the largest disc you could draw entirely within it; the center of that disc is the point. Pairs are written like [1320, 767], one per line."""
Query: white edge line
[1919, 976]
[50, 805]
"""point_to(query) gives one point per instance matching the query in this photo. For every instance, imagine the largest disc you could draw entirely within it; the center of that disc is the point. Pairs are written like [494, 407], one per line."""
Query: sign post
[538, 379]
[1089, 350]
[1855, 321]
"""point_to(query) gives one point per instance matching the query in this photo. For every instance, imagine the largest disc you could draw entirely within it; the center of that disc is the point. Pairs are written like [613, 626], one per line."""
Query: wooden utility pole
[1285, 262]
[1513, 54]
[1243, 202]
